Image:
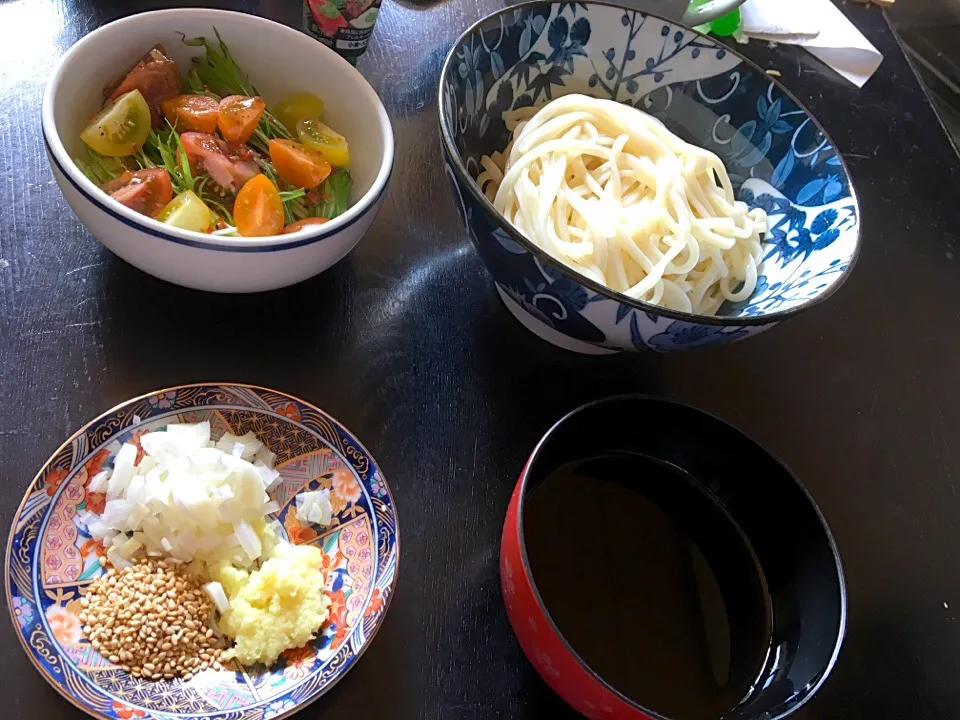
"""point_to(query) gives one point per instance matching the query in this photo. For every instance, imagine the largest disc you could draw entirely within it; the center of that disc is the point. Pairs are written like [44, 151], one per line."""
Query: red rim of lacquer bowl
[542, 642]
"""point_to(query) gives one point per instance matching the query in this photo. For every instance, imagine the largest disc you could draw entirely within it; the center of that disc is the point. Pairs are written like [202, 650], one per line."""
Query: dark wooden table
[407, 343]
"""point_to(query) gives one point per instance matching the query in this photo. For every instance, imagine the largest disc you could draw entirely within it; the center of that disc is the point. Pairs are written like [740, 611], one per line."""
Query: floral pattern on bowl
[777, 156]
[51, 556]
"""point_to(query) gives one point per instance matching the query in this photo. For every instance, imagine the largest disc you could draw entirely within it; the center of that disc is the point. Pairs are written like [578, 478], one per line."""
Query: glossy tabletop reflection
[407, 344]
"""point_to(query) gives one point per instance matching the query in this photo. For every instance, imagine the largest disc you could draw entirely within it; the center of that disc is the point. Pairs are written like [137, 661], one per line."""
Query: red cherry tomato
[303, 224]
[229, 165]
[146, 191]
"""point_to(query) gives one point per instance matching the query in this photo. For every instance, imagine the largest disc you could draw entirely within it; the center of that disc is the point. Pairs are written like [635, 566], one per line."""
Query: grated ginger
[276, 608]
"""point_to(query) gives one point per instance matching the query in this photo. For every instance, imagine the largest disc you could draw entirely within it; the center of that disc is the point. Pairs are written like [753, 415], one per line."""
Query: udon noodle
[610, 192]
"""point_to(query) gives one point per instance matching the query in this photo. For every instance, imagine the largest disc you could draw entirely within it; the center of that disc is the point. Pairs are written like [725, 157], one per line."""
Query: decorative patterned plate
[51, 556]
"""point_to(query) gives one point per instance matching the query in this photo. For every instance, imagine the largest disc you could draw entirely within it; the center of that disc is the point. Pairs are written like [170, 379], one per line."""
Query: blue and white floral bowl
[777, 155]
[51, 557]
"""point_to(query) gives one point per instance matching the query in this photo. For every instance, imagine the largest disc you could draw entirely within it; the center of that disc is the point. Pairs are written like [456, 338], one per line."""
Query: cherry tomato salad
[207, 154]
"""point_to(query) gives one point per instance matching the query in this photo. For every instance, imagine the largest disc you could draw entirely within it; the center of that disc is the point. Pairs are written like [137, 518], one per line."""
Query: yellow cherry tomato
[258, 209]
[297, 107]
[121, 127]
[187, 212]
[317, 136]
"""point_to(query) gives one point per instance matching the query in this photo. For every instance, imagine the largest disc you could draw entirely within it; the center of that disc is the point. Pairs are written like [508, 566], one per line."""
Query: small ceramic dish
[50, 557]
[778, 156]
[197, 260]
[784, 530]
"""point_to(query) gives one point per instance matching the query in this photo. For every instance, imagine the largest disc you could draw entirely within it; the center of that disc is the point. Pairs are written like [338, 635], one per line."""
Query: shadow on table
[536, 383]
[924, 689]
[261, 338]
[481, 652]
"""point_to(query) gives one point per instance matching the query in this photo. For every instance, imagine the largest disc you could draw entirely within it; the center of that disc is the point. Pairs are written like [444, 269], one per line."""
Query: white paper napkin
[816, 25]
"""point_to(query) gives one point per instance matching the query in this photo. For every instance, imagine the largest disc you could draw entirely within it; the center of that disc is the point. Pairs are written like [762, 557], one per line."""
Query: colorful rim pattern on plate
[49, 557]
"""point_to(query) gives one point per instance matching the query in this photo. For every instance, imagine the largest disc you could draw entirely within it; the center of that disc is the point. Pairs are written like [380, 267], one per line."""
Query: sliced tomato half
[299, 165]
[192, 113]
[258, 210]
[155, 75]
[303, 224]
[229, 165]
[146, 191]
[238, 116]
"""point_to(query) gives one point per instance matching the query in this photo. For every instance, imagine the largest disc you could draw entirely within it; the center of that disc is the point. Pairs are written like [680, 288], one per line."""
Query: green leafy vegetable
[217, 69]
[291, 195]
[99, 168]
[216, 73]
[336, 192]
[163, 149]
[213, 196]
[293, 205]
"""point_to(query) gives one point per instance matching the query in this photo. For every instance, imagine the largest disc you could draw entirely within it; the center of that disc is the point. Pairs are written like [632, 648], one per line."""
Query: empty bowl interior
[279, 61]
[776, 154]
[782, 526]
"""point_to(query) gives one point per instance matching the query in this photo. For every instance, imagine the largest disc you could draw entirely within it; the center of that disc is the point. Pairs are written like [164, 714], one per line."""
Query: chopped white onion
[265, 457]
[277, 528]
[118, 561]
[248, 539]
[315, 507]
[249, 445]
[116, 514]
[145, 465]
[187, 497]
[98, 483]
[219, 597]
[137, 490]
[269, 477]
[123, 470]
[129, 548]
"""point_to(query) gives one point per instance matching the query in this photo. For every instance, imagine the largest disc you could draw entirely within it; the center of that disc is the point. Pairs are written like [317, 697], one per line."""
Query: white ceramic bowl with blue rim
[280, 61]
[778, 157]
[51, 557]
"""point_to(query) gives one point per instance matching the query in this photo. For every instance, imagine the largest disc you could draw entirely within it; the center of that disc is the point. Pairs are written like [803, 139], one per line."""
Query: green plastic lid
[723, 26]
[727, 24]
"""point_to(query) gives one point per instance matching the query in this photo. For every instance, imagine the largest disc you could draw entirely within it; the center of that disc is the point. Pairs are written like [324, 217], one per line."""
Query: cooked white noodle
[610, 192]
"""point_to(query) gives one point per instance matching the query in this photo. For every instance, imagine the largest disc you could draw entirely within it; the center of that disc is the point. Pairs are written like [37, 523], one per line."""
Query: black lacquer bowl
[794, 557]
